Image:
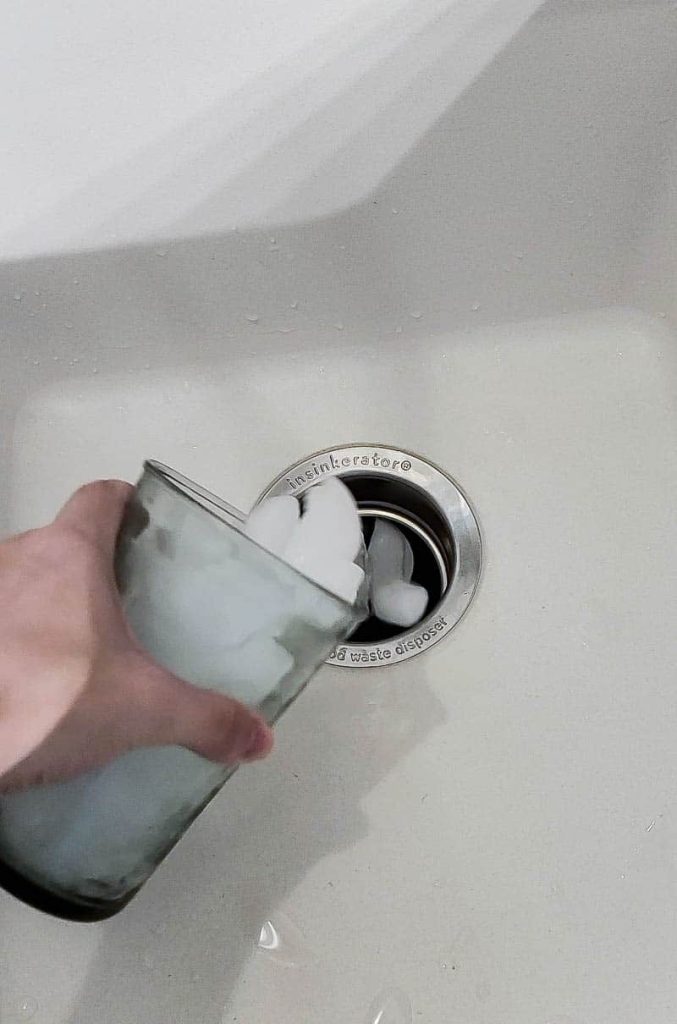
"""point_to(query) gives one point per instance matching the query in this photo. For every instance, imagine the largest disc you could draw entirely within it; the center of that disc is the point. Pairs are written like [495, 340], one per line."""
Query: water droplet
[415, 314]
[161, 252]
[294, 304]
[18, 296]
[391, 1006]
[68, 324]
[26, 1009]
[283, 942]
[76, 280]
[268, 937]
[519, 255]
[36, 292]
[253, 318]
[273, 240]
[662, 315]
[395, 211]
[476, 307]
[338, 326]
[398, 329]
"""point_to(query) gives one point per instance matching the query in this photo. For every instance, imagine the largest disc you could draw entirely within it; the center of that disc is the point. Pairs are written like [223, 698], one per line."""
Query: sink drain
[435, 516]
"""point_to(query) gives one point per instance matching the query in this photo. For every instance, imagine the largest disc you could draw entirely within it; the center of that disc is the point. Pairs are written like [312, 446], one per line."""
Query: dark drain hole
[439, 524]
[426, 573]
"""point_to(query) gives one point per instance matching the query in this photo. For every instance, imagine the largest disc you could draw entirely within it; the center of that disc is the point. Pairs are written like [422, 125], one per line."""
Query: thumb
[218, 728]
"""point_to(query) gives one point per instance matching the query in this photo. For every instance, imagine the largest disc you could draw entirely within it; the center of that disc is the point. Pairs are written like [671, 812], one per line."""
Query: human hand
[76, 689]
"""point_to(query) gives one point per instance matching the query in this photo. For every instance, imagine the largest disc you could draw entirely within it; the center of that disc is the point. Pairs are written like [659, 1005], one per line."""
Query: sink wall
[477, 262]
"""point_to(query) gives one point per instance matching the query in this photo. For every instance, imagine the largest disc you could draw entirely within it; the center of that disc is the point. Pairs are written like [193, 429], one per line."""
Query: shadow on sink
[178, 950]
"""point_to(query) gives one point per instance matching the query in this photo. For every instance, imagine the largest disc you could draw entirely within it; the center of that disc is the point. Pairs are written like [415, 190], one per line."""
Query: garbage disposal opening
[433, 514]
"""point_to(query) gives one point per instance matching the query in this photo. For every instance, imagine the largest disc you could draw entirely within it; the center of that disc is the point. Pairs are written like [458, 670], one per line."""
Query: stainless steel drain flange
[438, 521]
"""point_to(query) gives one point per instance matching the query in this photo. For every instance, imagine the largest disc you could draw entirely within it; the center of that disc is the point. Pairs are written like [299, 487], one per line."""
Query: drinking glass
[215, 608]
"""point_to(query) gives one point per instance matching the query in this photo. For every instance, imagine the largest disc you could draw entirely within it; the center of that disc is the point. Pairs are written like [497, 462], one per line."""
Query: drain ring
[398, 485]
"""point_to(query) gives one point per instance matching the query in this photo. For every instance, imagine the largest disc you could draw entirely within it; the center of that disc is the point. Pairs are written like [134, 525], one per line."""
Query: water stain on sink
[283, 943]
[391, 1006]
[26, 1009]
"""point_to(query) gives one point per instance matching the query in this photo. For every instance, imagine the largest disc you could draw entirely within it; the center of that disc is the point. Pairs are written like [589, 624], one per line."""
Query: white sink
[489, 828]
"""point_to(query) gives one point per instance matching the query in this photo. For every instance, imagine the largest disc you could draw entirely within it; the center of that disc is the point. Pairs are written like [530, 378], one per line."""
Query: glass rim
[197, 495]
[194, 492]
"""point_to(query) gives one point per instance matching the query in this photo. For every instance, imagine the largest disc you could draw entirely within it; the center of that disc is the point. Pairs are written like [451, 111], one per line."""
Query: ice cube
[391, 564]
[341, 578]
[320, 610]
[272, 523]
[331, 508]
[390, 554]
[400, 603]
[255, 669]
[327, 539]
[189, 620]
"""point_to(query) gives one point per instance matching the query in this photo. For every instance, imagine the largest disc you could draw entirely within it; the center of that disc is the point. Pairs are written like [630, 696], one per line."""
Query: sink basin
[485, 833]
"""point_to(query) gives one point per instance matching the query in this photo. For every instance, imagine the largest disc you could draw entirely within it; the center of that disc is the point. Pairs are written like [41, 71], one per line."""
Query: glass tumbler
[216, 609]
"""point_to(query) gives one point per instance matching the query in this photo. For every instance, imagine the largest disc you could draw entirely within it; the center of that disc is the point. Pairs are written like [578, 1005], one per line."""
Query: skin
[76, 689]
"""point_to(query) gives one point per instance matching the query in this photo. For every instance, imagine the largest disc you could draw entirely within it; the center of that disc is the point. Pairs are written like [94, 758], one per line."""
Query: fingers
[96, 511]
[141, 705]
[173, 712]
[219, 728]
